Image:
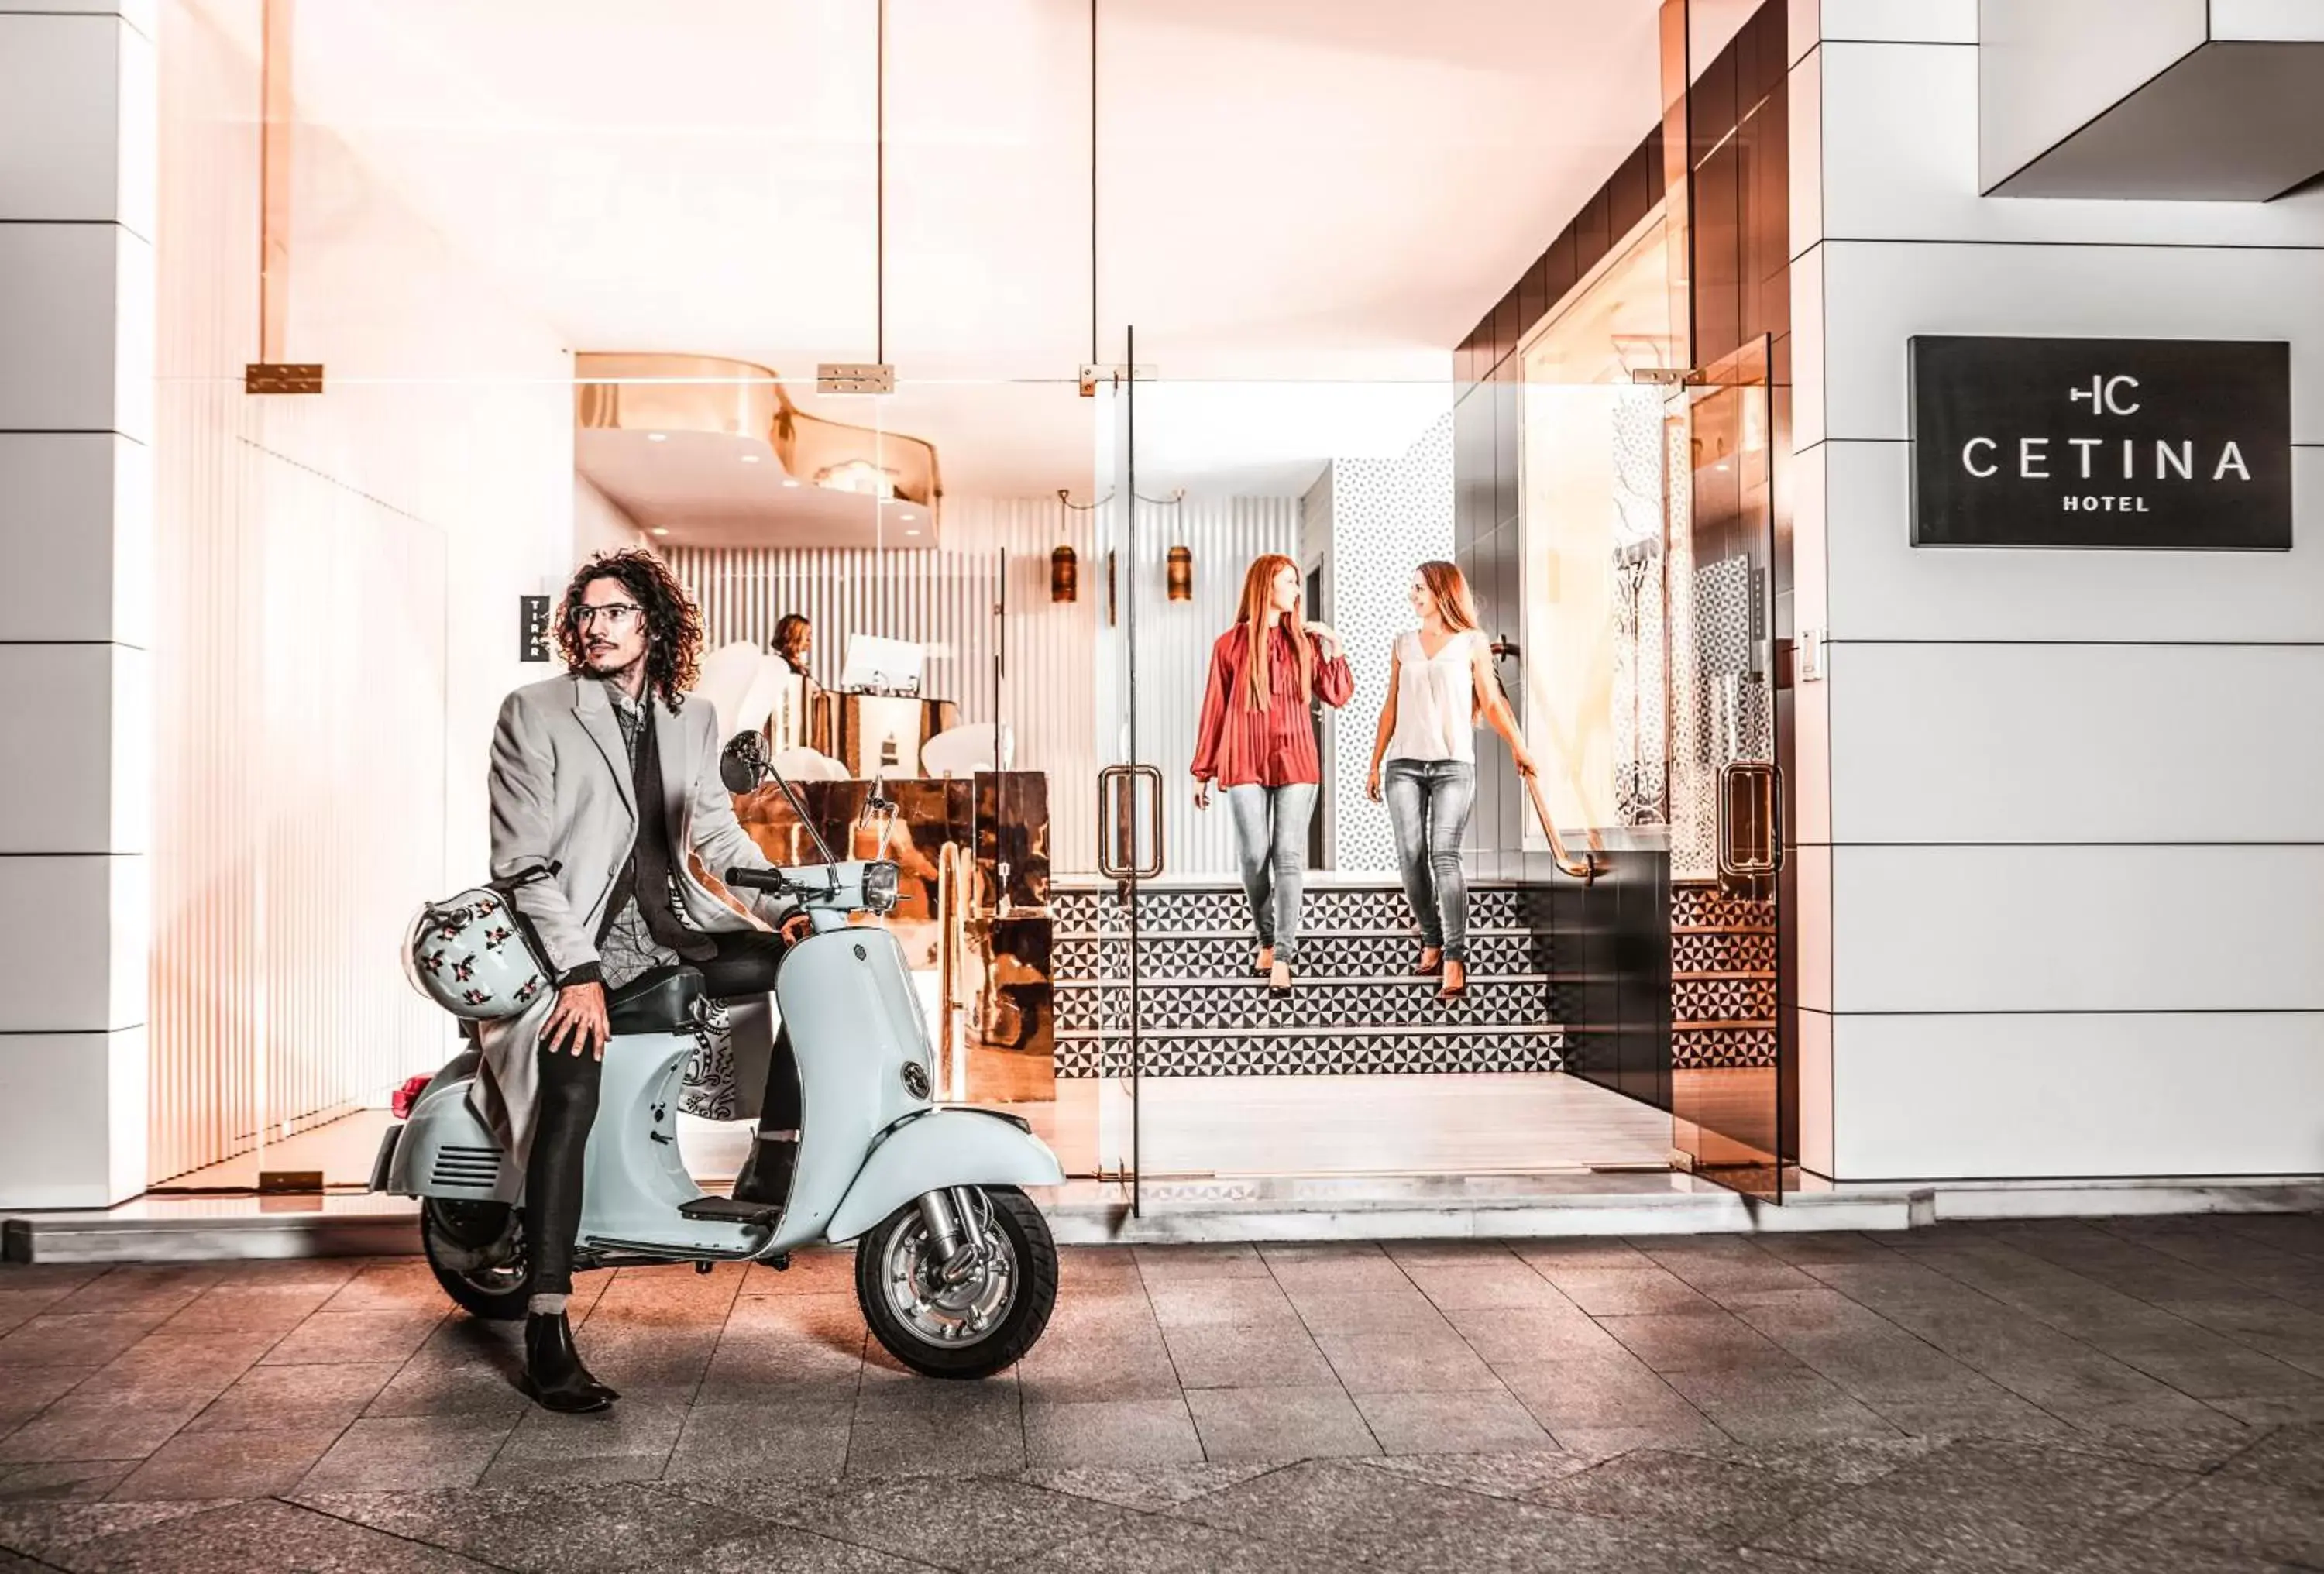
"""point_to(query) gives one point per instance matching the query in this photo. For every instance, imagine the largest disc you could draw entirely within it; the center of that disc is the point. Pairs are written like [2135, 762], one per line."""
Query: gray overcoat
[561, 793]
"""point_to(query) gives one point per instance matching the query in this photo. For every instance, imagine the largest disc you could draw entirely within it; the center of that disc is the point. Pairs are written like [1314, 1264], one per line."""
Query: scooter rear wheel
[478, 1252]
[985, 1324]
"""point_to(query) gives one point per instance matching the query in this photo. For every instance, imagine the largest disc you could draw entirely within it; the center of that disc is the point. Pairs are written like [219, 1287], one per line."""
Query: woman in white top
[1440, 683]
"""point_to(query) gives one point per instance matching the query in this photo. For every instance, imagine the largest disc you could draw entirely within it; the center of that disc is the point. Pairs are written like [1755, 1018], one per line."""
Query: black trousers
[566, 1108]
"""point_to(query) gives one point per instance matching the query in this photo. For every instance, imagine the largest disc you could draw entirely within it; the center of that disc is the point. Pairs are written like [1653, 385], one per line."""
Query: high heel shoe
[554, 1377]
[1455, 991]
[1281, 991]
[1429, 970]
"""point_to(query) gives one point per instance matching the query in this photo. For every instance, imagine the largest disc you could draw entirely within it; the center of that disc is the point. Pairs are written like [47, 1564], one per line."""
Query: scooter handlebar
[762, 879]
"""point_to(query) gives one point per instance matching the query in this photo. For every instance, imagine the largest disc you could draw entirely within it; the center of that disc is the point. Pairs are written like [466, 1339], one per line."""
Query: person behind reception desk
[794, 642]
[797, 718]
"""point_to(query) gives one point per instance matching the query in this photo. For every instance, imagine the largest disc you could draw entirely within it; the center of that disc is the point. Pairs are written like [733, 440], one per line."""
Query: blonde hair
[1257, 598]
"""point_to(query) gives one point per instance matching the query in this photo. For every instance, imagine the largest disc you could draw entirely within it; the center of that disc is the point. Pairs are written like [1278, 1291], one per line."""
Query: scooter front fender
[943, 1147]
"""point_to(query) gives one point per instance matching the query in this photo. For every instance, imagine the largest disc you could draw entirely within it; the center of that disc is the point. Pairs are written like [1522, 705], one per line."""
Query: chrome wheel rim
[957, 1315]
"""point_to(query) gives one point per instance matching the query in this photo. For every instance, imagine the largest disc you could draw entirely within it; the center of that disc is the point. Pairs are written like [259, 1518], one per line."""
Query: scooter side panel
[446, 1150]
[634, 1178]
[846, 998]
[943, 1147]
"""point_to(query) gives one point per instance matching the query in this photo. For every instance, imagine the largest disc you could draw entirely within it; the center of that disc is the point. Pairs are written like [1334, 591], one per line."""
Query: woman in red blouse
[1257, 743]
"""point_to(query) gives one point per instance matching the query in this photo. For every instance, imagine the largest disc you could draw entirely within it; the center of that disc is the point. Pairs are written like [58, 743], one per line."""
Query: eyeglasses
[617, 616]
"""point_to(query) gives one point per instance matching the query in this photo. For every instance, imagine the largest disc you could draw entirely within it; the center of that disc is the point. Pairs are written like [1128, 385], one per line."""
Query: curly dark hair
[673, 627]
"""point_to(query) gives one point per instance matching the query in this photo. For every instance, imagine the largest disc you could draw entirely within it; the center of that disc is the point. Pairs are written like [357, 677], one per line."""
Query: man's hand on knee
[578, 1026]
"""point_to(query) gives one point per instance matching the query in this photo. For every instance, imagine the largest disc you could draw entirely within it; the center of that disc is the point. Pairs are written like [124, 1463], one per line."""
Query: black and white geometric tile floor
[2063, 1397]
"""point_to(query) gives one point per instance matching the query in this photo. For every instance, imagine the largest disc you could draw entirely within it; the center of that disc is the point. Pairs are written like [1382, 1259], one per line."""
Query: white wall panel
[1878, 294]
[75, 961]
[76, 515]
[2075, 928]
[62, 334]
[2036, 743]
[1803, 104]
[1883, 587]
[1889, 21]
[142, 15]
[78, 719]
[1900, 129]
[61, 118]
[59, 1125]
[2080, 1095]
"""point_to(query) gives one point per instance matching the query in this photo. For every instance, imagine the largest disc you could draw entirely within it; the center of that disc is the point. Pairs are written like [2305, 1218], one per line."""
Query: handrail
[954, 871]
[1585, 869]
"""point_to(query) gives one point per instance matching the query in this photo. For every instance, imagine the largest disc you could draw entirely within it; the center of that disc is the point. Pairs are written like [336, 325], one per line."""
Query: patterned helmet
[472, 955]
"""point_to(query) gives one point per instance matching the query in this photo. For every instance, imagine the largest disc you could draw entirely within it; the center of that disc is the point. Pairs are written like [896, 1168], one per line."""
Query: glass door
[1726, 785]
[1130, 843]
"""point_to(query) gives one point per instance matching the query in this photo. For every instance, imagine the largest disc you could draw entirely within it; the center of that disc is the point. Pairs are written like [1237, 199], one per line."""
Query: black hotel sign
[2182, 443]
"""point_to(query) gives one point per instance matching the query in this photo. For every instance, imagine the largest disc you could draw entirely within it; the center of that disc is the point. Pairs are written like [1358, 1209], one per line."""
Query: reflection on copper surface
[712, 393]
[999, 821]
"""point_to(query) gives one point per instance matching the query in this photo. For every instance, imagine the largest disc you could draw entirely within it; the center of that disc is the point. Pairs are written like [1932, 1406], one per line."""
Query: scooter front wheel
[982, 1315]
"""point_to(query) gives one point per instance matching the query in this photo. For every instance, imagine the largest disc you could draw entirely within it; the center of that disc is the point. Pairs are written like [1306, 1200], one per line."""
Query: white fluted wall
[1064, 692]
[337, 614]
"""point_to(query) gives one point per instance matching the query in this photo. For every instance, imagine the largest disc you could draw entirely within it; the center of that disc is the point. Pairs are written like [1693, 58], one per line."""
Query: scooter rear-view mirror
[744, 765]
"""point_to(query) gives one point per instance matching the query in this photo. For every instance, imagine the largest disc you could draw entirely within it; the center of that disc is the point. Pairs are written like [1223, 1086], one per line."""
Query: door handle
[1117, 818]
[1750, 819]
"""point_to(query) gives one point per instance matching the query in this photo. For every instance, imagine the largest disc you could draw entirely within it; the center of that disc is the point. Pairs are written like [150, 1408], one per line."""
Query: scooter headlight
[880, 885]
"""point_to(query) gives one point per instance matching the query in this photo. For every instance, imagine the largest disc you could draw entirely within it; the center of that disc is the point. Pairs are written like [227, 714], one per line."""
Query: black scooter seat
[661, 999]
[730, 1211]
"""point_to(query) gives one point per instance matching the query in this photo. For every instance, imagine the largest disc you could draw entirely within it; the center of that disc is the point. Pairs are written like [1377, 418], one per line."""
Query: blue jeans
[1270, 827]
[1428, 802]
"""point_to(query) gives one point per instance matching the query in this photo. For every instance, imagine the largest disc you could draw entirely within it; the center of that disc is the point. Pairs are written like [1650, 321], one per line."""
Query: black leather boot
[766, 1176]
[554, 1377]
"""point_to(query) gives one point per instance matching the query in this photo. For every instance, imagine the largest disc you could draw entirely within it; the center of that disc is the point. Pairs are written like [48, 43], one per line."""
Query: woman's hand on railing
[1526, 766]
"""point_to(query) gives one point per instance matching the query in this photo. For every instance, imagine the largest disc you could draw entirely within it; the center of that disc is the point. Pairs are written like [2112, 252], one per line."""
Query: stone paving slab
[2071, 1397]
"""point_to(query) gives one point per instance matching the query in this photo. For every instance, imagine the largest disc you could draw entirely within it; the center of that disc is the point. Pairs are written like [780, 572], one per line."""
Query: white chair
[965, 751]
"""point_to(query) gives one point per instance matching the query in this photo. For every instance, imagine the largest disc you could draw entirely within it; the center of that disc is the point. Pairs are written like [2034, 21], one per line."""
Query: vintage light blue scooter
[955, 1269]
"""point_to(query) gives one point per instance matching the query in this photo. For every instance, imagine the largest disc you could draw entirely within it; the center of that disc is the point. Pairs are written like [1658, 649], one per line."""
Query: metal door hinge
[282, 377]
[855, 377]
[1668, 376]
[1113, 377]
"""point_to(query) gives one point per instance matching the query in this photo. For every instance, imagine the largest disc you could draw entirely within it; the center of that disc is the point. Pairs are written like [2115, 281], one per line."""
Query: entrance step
[1246, 1005]
[1363, 1208]
[1370, 909]
[1356, 1007]
[1323, 954]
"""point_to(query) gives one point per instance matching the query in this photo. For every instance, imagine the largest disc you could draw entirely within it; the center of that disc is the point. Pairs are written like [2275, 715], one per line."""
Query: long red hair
[1258, 603]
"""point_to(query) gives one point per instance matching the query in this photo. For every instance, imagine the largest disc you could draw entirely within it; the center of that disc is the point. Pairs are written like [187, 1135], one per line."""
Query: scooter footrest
[730, 1211]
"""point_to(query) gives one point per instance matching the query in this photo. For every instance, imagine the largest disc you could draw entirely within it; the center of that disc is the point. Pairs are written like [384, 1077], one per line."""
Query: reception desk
[998, 824]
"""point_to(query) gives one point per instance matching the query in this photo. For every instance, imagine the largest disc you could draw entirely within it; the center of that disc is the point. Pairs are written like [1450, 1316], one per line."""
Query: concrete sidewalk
[2062, 1397]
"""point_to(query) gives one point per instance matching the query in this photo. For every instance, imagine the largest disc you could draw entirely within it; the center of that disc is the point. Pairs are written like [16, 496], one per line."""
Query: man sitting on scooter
[601, 781]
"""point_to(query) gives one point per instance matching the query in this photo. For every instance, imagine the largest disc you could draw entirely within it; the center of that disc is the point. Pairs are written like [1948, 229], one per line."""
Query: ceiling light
[907, 513]
[790, 481]
[911, 532]
[749, 458]
[859, 476]
[660, 531]
[657, 436]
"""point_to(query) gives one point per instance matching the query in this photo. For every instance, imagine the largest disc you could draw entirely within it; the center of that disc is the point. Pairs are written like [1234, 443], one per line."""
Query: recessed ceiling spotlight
[660, 531]
[749, 458]
[907, 514]
[657, 436]
[911, 532]
[790, 481]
